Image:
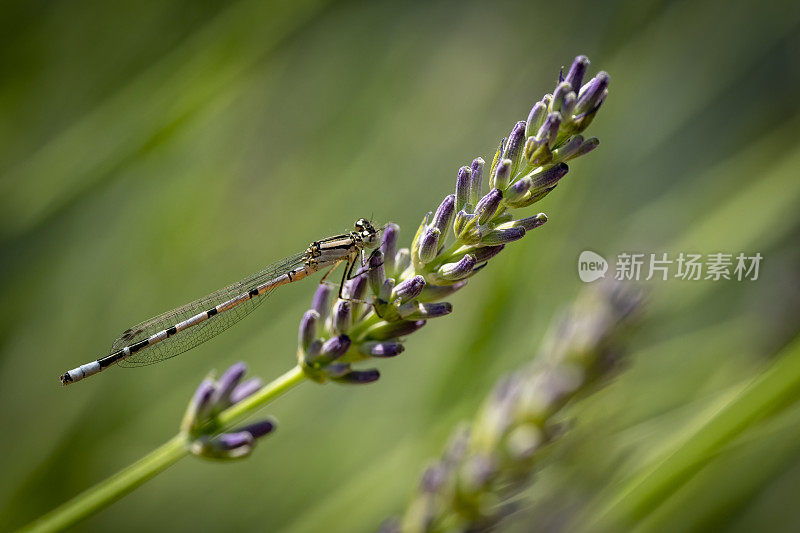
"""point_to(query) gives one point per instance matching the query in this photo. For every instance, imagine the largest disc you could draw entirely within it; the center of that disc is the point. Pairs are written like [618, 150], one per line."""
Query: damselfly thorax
[185, 327]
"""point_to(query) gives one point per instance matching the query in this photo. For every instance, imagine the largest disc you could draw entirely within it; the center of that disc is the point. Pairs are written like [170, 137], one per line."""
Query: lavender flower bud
[375, 272]
[532, 146]
[459, 270]
[355, 288]
[518, 189]
[586, 147]
[530, 222]
[559, 95]
[432, 293]
[535, 119]
[342, 316]
[566, 151]
[429, 245]
[227, 382]
[576, 72]
[549, 176]
[444, 213]
[308, 327]
[502, 175]
[392, 330]
[360, 377]
[385, 294]
[200, 405]
[502, 236]
[516, 141]
[381, 349]
[389, 247]
[476, 180]
[488, 205]
[335, 347]
[524, 440]
[226, 446]
[402, 261]
[593, 93]
[549, 130]
[484, 253]
[568, 107]
[462, 187]
[409, 289]
[422, 311]
[321, 301]
[261, 428]
[245, 389]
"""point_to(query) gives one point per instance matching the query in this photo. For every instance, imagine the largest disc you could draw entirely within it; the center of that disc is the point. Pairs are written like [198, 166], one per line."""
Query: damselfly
[181, 329]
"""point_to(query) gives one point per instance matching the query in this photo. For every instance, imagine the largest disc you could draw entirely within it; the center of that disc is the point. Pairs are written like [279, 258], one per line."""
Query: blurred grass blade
[775, 388]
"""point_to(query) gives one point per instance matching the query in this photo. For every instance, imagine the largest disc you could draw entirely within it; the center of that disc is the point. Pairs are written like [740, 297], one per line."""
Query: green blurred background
[151, 152]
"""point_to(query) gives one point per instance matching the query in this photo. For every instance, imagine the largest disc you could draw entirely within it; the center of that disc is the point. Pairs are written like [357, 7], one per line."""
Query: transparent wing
[196, 335]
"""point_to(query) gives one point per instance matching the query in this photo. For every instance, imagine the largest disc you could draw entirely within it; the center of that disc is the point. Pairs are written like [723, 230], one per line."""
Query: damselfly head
[368, 233]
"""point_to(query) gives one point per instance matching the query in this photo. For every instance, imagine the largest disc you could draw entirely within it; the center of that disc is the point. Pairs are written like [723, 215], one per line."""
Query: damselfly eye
[362, 224]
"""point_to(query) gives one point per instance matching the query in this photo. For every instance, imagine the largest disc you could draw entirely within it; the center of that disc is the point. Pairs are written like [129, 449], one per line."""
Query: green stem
[107, 492]
[112, 489]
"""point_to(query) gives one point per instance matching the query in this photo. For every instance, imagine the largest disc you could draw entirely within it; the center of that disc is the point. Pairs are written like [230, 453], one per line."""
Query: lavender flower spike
[200, 423]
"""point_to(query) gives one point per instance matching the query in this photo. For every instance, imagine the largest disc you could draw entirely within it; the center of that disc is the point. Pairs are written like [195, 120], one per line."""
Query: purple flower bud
[531, 146]
[409, 289]
[593, 93]
[502, 175]
[535, 119]
[381, 349]
[566, 150]
[335, 347]
[385, 294]
[360, 377]
[392, 330]
[230, 445]
[245, 389]
[434, 478]
[488, 205]
[389, 246]
[375, 272]
[428, 245]
[259, 429]
[227, 382]
[476, 180]
[402, 261]
[321, 301]
[559, 95]
[531, 222]
[202, 401]
[484, 253]
[461, 269]
[356, 287]
[502, 236]
[516, 140]
[308, 328]
[549, 130]
[421, 311]
[586, 147]
[444, 213]
[550, 176]
[462, 187]
[518, 189]
[436, 292]
[568, 107]
[342, 316]
[576, 72]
